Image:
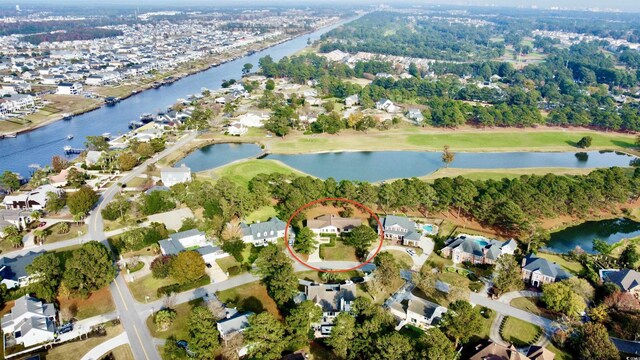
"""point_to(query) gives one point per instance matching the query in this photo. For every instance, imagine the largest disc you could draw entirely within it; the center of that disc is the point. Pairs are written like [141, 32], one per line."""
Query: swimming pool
[430, 228]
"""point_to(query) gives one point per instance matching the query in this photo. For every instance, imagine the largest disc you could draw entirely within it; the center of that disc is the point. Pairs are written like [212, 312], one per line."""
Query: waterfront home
[332, 225]
[252, 120]
[333, 299]
[386, 105]
[177, 175]
[538, 271]
[477, 249]
[35, 199]
[237, 129]
[494, 351]
[400, 228]
[93, 157]
[263, 233]
[30, 322]
[14, 217]
[417, 311]
[14, 270]
[66, 88]
[191, 240]
[626, 279]
[415, 115]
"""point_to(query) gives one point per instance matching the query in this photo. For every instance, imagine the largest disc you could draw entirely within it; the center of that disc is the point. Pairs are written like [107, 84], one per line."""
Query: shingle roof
[545, 267]
[329, 296]
[265, 229]
[185, 234]
[238, 322]
[332, 220]
[15, 268]
[626, 279]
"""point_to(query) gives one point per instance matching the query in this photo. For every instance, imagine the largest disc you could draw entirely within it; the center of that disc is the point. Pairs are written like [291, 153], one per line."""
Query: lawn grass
[339, 252]
[79, 348]
[249, 297]
[518, 332]
[403, 259]
[122, 352]
[99, 302]
[560, 354]
[147, 286]
[499, 174]
[572, 266]
[526, 304]
[262, 214]
[243, 171]
[437, 260]
[226, 262]
[74, 228]
[179, 327]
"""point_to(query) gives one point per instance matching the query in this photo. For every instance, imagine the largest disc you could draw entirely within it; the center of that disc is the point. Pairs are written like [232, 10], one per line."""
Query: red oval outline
[368, 261]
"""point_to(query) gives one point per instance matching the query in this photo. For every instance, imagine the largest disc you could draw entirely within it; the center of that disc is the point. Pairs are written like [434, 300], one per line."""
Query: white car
[411, 252]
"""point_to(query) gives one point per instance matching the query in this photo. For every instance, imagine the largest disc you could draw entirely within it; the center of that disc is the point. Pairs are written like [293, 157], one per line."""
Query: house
[191, 240]
[13, 217]
[263, 233]
[332, 224]
[626, 279]
[386, 105]
[177, 175]
[415, 115]
[401, 228]
[30, 321]
[352, 100]
[233, 323]
[65, 88]
[476, 249]
[93, 157]
[14, 270]
[417, 312]
[494, 351]
[333, 299]
[35, 199]
[237, 129]
[538, 271]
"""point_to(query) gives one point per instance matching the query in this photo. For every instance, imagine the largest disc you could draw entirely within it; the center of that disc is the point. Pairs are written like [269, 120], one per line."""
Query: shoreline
[146, 87]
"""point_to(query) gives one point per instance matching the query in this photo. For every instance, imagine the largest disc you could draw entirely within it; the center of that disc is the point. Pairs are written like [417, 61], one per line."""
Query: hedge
[178, 288]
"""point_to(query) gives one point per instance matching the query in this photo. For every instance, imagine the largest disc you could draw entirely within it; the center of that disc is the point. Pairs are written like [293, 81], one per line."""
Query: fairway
[242, 172]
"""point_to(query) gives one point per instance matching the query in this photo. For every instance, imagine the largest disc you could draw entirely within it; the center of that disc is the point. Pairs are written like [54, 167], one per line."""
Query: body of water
[39, 145]
[212, 156]
[383, 165]
[582, 235]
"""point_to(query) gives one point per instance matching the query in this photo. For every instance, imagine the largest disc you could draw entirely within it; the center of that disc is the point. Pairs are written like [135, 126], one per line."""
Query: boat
[66, 116]
[70, 136]
[111, 100]
[135, 124]
[146, 118]
[106, 135]
[133, 92]
[10, 135]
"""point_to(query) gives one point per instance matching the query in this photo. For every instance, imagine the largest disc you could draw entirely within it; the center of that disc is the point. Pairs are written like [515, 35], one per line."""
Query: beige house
[477, 249]
[332, 224]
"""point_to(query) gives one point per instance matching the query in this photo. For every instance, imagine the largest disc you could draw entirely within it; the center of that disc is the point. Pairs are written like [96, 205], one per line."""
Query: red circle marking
[368, 261]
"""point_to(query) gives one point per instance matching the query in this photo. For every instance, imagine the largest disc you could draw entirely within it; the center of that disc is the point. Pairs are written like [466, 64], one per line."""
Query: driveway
[426, 244]
[104, 348]
[215, 273]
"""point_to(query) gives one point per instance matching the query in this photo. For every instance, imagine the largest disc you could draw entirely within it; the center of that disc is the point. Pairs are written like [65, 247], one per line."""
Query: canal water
[38, 146]
[582, 235]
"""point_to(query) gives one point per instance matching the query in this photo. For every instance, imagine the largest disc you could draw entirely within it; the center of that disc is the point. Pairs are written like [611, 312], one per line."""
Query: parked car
[357, 279]
[65, 328]
[411, 252]
[182, 344]
[42, 223]
[208, 265]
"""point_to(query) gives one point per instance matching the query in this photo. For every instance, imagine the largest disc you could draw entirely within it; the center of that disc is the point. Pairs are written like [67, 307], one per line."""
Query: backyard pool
[430, 229]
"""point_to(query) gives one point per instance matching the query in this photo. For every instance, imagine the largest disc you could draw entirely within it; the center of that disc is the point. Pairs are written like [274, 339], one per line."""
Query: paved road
[508, 310]
[104, 348]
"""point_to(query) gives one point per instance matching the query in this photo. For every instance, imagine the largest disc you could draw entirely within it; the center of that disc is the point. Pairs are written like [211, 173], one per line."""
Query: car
[208, 265]
[43, 223]
[65, 328]
[411, 252]
[182, 344]
[357, 279]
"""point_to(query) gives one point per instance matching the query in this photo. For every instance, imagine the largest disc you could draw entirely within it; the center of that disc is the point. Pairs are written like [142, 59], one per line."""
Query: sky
[624, 5]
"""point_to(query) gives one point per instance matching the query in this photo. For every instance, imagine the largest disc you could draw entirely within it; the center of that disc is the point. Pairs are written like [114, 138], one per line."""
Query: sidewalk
[104, 348]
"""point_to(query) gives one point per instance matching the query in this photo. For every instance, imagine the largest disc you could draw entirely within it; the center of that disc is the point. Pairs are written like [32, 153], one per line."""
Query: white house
[332, 224]
[93, 157]
[352, 100]
[233, 323]
[14, 217]
[30, 321]
[237, 129]
[477, 249]
[401, 228]
[177, 175]
[191, 239]
[35, 199]
[65, 88]
[333, 299]
[386, 105]
[263, 233]
[417, 312]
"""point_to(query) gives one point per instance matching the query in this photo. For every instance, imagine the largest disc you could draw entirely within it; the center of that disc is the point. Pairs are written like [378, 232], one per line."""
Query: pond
[213, 156]
[611, 231]
[383, 165]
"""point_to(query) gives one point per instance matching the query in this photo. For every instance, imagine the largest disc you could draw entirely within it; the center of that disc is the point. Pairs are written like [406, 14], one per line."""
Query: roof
[265, 229]
[185, 234]
[208, 249]
[16, 268]
[238, 322]
[545, 267]
[403, 222]
[329, 296]
[540, 353]
[178, 170]
[493, 351]
[626, 279]
[425, 308]
[479, 246]
[333, 220]
[39, 312]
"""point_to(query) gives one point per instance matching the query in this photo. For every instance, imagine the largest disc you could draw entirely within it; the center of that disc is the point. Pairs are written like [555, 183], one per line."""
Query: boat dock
[68, 150]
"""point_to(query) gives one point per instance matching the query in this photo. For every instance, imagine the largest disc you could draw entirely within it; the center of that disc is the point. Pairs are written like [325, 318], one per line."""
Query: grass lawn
[436, 259]
[179, 327]
[242, 172]
[137, 182]
[314, 276]
[79, 348]
[226, 262]
[73, 232]
[483, 331]
[339, 252]
[404, 259]
[464, 139]
[560, 354]
[518, 332]
[572, 266]
[147, 286]
[499, 174]
[249, 297]
[122, 352]
[100, 302]
[262, 214]
[534, 306]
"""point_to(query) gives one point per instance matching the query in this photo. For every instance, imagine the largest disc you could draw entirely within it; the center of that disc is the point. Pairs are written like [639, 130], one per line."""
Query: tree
[203, 334]
[97, 143]
[89, 268]
[145, 150]
[593, 342]
[629, 256]
[160, 266]
[560, 297]
[425, 280]
[83, 200]
[246, 68]
[58, 163]
[342, 334]
[392, 346]
[507, 275]
[171, 350]
[265, 337]
[300, 320]
[602, 247]
[163, 319]
[387, 271]
[270, 85]
[187, 267]
[447, 156]
[126, 161]
[235, 249]
[438, 346]
[277, 274]
[361, 238]
[461, 321]
[117, 208]
[585, 142]
[75, 178]
[305, 241]
[10, 181]
[55, 202]
[46, 273]
[581, 287]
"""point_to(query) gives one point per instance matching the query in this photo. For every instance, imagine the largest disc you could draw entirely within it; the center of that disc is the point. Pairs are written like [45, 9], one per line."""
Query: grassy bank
[243, 171]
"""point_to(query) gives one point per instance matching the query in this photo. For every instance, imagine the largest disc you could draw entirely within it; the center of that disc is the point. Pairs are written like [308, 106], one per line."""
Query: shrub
[176, 288]
[160, 266]
[63, 228]
[234, 270]
[234, 248]
[164, 318]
